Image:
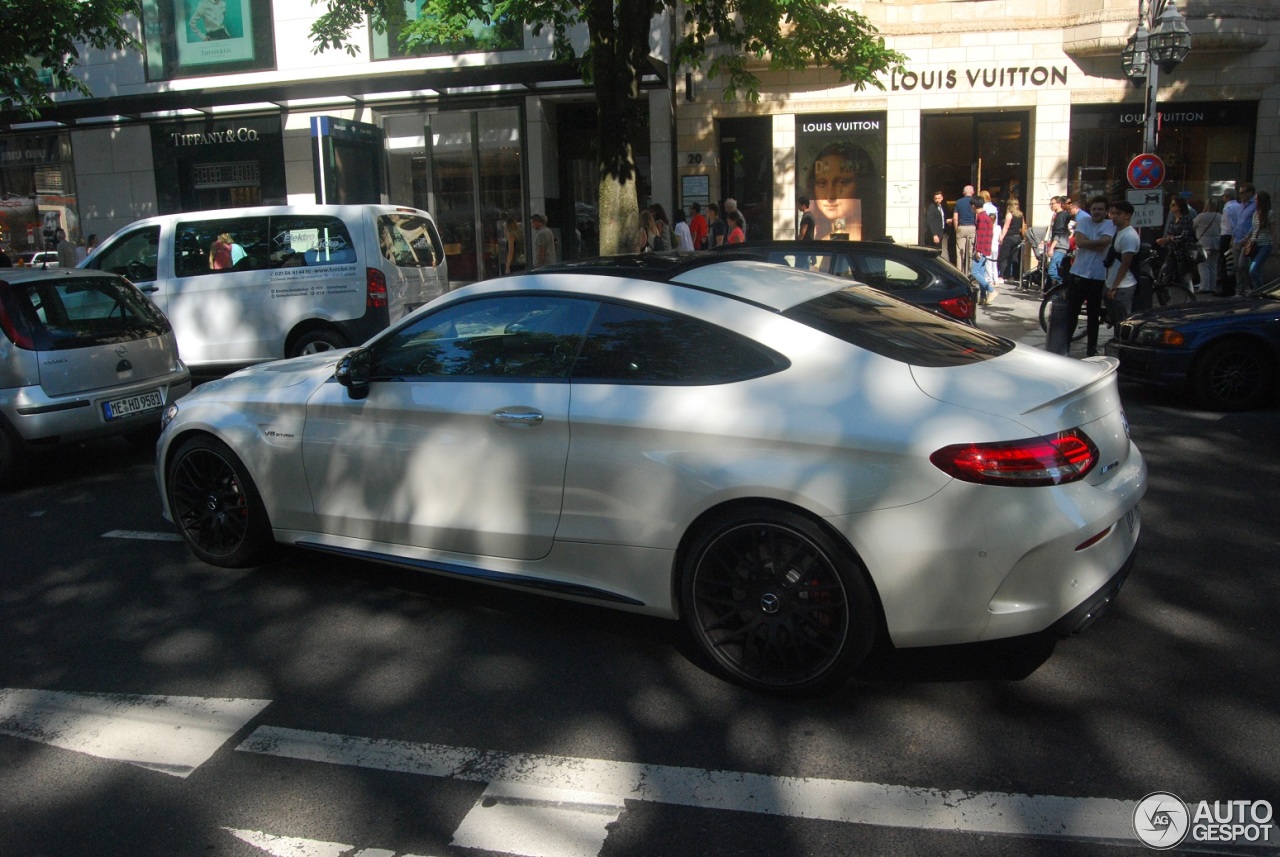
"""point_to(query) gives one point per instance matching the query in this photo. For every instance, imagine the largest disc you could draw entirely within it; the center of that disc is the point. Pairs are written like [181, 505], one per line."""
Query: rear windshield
[409, 241]
[63, 312]
[897, 330]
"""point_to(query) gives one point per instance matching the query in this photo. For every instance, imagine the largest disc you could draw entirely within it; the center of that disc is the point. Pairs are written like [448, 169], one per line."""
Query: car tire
[1233, 375]
[777, 603]
[216, 506]
[316, 341]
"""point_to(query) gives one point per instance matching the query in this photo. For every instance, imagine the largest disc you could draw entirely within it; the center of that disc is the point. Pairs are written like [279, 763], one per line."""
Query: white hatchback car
[791, 464]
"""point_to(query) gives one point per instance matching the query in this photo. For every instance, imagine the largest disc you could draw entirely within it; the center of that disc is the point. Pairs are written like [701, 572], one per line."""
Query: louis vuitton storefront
[1029, 107]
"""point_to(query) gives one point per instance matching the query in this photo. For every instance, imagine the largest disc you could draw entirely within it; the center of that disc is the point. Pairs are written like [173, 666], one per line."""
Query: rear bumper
[38, 417]
[1092, 608]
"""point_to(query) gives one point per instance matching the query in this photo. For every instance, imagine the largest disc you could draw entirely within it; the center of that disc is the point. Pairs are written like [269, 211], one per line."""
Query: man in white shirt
[1122, 279]
[1230, 213]
[1093, 233]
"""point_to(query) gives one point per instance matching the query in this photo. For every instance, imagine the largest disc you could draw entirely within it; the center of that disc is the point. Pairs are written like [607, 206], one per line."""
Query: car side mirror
[353, 372]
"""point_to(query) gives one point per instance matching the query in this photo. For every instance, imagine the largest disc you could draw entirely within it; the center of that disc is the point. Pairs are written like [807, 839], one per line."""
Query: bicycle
[1163, 294]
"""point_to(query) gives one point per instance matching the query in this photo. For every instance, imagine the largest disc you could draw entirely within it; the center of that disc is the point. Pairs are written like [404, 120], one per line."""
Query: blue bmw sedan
[1226, 354]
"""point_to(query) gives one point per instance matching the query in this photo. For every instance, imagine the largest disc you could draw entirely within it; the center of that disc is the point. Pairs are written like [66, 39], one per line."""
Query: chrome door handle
[521, 418]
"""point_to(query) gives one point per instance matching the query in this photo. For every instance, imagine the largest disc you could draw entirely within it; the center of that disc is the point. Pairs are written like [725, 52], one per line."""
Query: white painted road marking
[533, 821]
[293, 846]
[1085, 819]
[170, 734]
[142, 534]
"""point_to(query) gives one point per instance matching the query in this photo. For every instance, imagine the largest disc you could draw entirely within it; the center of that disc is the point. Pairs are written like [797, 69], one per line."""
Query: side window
[512, 337]
[633, 345]
[409, 241]
[889, 274]
[308, 239]
[134, 255]
[219, 246]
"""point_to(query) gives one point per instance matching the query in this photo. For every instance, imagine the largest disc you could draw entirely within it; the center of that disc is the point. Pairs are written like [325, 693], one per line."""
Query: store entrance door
[474, 169]
[746, 172]
[986, 150]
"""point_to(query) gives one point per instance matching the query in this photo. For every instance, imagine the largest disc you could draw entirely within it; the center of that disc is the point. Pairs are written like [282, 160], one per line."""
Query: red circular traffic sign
[1145, 171]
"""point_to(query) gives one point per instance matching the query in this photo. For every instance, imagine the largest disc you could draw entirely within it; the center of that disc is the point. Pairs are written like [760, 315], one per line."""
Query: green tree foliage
[729, 38]
[42, 41]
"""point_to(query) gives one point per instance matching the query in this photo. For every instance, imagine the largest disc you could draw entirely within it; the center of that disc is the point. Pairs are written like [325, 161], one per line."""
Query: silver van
[83, 354]
[246, 285]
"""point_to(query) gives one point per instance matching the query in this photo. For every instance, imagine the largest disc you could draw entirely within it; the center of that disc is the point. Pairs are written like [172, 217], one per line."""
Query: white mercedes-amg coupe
[793, 466]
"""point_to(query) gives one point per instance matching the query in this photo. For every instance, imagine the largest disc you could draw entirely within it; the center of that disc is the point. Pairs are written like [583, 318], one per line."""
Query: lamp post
[1161, 42]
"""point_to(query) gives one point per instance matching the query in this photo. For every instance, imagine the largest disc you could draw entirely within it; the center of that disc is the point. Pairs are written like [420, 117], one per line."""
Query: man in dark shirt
[717, 231]
[805, 232]
[935, 219]
[964, 220]
[1059, 240]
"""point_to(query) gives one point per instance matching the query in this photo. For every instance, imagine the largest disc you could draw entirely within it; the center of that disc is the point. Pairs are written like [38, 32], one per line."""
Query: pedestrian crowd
[1217, 247]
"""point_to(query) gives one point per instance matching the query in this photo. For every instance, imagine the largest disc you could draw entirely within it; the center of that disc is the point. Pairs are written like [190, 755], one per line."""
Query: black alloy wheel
[1233, 375]
[777, 603]
[216, 506]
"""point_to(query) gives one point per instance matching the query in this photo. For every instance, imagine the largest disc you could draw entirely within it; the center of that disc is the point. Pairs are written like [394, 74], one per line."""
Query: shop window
[504, 34]
[190, 38]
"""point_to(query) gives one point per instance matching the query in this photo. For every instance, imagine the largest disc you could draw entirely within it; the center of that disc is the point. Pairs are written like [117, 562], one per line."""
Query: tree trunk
[620, 46]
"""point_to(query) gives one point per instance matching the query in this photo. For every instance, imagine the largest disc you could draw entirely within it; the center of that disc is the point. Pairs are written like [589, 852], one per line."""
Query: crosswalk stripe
[170, 734]
[534, 821]
[1083, 819]
[142, 534]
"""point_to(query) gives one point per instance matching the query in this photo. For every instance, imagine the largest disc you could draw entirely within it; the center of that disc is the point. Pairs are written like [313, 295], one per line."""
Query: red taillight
[1055, 460]
[958, 307]
[18, 337]
[375, 288]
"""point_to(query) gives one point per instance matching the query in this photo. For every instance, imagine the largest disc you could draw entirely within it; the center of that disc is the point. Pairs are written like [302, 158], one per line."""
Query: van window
[133, 255]
[220, 246]
[310, 239]
[409, 241]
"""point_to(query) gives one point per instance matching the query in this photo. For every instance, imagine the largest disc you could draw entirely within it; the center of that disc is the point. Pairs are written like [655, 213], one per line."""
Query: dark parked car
[1226, 354]
[918, 275]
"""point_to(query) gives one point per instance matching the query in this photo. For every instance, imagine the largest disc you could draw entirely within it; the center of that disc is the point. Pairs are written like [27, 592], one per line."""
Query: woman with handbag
[1257, 247]
[1208, 229]
[1178, 267]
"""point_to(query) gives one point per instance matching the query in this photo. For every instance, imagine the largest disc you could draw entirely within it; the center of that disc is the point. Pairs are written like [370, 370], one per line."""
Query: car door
[461, 443]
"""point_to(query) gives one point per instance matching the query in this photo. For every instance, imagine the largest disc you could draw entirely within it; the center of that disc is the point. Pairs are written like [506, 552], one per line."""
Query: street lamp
[1148, 52]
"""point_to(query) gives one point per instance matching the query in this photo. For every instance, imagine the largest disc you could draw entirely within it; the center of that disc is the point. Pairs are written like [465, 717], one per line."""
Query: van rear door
[410, 255]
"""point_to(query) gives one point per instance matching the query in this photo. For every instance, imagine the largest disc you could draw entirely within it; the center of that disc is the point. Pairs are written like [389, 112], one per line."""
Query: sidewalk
[1015, 314]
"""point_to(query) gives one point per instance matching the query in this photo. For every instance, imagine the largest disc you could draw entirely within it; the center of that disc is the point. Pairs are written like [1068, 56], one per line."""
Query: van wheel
[315, 341]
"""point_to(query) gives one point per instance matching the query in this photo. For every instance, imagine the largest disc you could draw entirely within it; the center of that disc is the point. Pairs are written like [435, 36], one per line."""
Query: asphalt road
[398, 713]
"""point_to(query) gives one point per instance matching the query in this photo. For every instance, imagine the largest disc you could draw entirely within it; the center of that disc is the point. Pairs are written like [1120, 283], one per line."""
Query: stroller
[1032, 278]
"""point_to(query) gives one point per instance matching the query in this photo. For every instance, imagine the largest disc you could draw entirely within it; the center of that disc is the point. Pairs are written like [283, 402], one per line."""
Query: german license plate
[1131, 518]
[130, 405]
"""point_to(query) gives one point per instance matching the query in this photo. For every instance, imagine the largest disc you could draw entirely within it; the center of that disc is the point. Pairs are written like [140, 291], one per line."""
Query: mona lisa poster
[840, 166]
